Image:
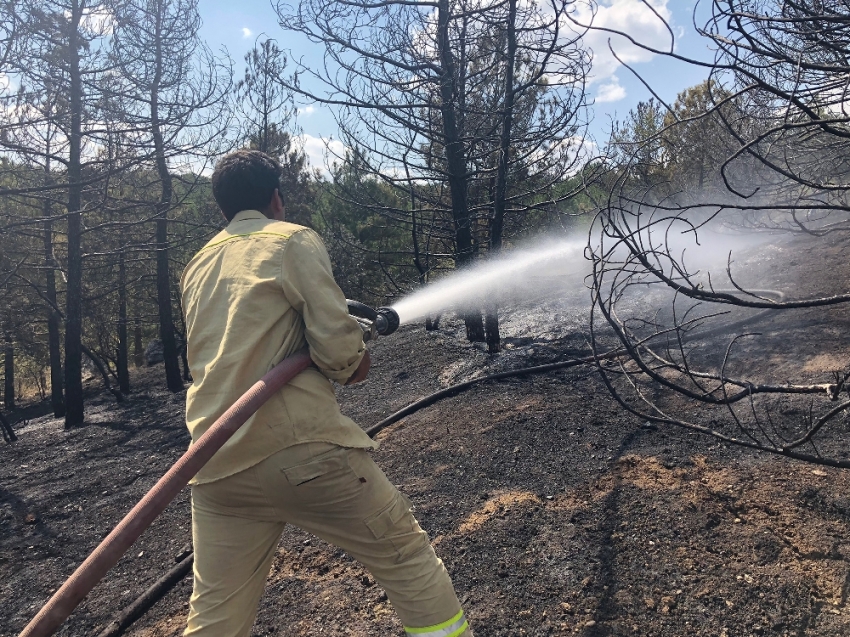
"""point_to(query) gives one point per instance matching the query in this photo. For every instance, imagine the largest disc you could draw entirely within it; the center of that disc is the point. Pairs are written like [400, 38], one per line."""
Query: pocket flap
[385, 519]
[302, 473]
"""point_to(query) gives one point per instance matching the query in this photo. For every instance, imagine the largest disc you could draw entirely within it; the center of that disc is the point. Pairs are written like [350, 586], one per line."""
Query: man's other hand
[362, 370]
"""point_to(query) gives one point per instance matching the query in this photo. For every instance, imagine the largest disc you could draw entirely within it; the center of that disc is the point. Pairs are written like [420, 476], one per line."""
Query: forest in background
[115, 113]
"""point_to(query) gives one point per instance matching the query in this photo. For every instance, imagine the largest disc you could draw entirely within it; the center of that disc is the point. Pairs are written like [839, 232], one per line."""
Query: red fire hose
[106, 555]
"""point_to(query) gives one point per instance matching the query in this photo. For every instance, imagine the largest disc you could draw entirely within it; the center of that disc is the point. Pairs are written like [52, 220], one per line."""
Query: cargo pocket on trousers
[316, 468]
[395, 523]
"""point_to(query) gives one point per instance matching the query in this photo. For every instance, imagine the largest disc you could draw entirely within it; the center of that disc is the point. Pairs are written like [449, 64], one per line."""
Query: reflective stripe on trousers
[451, 628]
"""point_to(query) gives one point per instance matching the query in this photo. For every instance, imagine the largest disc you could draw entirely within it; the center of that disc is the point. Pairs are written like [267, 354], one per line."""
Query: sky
[236, 26]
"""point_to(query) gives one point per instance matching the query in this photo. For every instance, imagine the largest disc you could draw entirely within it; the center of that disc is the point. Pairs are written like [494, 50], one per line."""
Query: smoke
[691, 244]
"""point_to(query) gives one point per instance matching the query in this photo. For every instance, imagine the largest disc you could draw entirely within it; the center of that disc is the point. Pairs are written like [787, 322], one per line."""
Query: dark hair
[245, 180]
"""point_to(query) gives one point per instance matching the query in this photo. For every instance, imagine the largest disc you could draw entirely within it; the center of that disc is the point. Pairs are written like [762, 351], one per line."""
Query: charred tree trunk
[183, 347]
[163, 282]
[138, 350]
[121, 359]
[74, 297]
[491, 307]
[9, 366]
[152, 595]
[6, 427]
[498, 220]
[187, 373]
[57, 399]
[163, 294]
[417, 260]
[455, 160]
[491, 325]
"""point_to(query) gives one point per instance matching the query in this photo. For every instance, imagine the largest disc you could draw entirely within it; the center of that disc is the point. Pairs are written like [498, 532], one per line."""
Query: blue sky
[236, 26]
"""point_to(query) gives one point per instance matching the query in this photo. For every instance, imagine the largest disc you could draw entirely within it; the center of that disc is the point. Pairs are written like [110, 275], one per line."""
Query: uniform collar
[244, 215]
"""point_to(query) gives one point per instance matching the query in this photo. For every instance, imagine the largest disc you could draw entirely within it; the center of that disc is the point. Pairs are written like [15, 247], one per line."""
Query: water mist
[521, 275]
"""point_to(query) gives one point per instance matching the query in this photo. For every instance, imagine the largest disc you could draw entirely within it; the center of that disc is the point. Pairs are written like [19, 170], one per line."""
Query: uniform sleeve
[335, 338]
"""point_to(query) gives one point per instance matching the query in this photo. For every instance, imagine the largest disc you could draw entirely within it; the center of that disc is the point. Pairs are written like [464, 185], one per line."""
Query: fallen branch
[454, 390]
[119, 397]
[150, 597]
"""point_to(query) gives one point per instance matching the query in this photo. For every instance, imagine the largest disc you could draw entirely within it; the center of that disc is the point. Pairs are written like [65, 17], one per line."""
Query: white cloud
[97, 21]
[322, 152]
[627, 16]
[246, 32]
[569, 154]
[610, 92]
[307, 111]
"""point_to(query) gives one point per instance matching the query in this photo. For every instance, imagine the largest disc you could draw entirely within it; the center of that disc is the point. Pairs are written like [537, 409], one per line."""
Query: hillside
[554, 511]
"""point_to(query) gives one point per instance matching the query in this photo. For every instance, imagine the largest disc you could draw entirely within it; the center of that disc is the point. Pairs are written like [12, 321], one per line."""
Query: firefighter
[259, 291]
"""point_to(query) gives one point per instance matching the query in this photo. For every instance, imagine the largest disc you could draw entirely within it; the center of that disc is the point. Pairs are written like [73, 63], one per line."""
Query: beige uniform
[255, 294]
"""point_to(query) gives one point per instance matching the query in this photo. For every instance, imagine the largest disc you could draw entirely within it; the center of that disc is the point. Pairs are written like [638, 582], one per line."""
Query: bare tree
[424, 94]
[9, 361]
[173, 93]
[61, 61]
[774, 159]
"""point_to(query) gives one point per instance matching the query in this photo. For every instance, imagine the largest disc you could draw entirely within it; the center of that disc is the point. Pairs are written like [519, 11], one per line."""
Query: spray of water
[522, 275]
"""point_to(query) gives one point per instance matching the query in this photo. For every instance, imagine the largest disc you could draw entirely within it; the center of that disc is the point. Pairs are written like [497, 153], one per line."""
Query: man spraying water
[258, 292]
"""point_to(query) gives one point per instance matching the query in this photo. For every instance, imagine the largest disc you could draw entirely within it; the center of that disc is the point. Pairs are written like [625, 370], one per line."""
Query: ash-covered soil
[554, 511]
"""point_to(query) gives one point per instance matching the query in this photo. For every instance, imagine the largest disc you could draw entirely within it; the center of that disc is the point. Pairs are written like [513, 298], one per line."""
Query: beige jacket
[258, 292]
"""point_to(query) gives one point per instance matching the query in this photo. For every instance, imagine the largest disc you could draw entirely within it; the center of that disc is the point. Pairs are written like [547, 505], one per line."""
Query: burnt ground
[555, 511]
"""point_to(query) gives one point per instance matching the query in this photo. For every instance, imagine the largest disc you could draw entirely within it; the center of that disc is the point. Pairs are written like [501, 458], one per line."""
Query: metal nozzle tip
[387, 321]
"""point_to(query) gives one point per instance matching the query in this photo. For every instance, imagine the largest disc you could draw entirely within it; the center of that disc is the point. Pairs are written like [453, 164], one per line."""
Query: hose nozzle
[387, 321]
[384, 320]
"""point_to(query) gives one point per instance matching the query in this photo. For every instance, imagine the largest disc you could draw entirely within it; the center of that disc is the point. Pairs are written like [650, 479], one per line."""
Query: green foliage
[683, 149]
[371, 256]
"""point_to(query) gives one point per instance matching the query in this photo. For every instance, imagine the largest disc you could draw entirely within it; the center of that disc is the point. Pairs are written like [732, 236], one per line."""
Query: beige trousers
[339, 495]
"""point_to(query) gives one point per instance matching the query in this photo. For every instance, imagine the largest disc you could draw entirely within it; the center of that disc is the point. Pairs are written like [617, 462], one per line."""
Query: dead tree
[696, 356]
[497, 223]
[61, 58]
[123, 345]
[76, 39]
[57, 395]
[424, 93]
[173, 90]
[9, 362]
